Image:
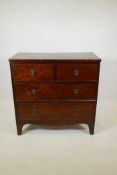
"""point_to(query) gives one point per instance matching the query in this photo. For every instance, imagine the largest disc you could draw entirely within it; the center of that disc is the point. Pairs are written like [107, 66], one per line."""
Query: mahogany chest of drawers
[55, 89]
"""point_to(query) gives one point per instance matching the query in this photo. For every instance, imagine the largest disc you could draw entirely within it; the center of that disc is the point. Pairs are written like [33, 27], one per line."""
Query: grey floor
[59, 151]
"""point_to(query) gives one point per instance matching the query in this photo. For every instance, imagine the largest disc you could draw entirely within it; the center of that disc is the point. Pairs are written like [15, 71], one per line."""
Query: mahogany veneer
[55, 89]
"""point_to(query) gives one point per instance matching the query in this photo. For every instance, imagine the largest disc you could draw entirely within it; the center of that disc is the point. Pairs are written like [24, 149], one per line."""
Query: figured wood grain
[45, 91]
[55, 111]
[25, 72]
[85, 71]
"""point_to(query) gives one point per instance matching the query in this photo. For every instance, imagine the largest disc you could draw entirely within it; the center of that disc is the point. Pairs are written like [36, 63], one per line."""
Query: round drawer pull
[34, 111]
[75, 112]
[76, 72]
[34, 91]
[32, 71]
[75, 90]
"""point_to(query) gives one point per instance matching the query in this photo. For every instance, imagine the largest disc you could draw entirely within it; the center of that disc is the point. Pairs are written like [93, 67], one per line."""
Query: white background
[60, 26]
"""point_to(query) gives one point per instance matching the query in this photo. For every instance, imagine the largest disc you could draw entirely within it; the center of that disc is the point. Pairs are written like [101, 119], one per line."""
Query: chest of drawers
[55, 89]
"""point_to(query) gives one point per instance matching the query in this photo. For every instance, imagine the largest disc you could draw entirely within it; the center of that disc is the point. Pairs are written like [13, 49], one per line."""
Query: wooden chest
[55, 88]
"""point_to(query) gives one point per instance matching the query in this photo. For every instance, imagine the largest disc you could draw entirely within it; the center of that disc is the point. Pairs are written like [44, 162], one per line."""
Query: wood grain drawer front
[55, 111]
[47, 91]
[77, 71]
[27, 72]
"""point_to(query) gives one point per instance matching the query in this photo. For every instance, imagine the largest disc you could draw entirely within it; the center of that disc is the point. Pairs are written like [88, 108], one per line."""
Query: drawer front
[27, 72]
[47, 91]
[55, 111]
[77, 71]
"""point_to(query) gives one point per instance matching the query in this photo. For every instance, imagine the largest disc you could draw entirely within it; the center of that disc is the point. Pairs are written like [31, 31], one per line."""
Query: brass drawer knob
[34, 91]
[34, 111]
[32, 71]
[76, 112]
[76, 72]
[75, 90]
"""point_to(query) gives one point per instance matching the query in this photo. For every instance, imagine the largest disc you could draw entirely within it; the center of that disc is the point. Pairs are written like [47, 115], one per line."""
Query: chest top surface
[53, 57]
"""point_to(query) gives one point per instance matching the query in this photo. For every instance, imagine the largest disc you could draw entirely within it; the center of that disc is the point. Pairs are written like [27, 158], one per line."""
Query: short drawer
[55, 111]
[77, 71]
[50, 91]
[27, 72]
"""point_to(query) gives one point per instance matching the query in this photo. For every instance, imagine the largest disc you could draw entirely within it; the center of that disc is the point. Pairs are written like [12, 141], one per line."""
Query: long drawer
[55, 111]
[48, 91]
